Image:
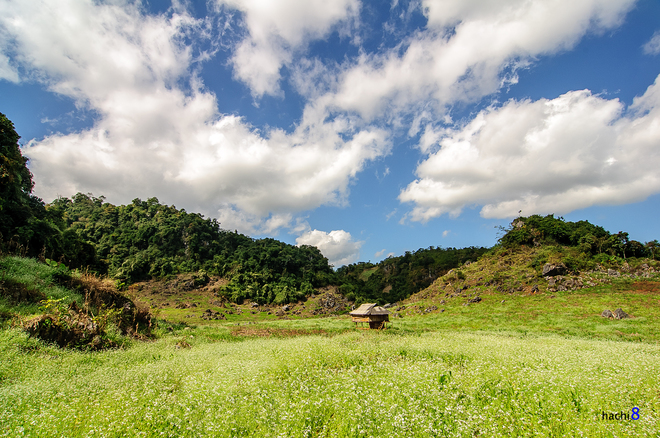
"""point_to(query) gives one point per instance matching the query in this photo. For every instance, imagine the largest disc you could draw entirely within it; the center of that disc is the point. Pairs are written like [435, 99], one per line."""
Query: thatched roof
[369, 309]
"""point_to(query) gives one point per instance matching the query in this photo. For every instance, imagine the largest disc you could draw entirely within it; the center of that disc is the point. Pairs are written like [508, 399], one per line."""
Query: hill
[149, 240]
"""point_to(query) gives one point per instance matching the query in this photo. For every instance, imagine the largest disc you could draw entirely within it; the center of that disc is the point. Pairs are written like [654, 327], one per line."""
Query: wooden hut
[372, 314]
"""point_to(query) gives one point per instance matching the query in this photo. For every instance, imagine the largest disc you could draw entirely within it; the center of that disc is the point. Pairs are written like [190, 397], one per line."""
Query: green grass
[570, 313]
[352, 384]
[531, 366]
[37, 276]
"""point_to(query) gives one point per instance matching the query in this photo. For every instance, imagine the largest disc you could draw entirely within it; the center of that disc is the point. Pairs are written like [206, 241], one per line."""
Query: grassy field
[542, 364]
[354, 384]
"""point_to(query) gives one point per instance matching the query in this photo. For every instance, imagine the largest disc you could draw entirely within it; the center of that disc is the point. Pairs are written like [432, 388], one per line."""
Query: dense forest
[149, 240]
[146, 239]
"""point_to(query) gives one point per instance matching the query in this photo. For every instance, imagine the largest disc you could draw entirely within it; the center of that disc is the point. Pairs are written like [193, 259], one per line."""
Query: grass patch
[35, 276]
[352, 384]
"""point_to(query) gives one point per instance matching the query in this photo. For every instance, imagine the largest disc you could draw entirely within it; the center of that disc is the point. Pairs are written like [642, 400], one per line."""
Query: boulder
[475, 300]
[607, 314]
[620, 314]
[550, 270]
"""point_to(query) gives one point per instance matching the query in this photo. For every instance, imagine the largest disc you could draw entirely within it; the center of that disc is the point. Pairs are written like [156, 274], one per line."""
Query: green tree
[15, 182]
[652, 247]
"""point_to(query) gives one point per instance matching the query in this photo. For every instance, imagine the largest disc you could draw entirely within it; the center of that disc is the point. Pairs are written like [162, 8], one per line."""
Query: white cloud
[338, 245]
[379, 253]
[7, 72]
[276, 30]
[547, 156]
[470, 49]
[652, 47]
[159, 133]
[389, 215]
[446, 233]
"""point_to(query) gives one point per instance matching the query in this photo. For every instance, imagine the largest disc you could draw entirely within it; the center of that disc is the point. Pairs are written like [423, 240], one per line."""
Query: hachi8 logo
[622, 415]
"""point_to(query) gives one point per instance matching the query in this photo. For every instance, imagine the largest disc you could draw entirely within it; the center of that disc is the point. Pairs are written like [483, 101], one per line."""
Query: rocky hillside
[522, 271]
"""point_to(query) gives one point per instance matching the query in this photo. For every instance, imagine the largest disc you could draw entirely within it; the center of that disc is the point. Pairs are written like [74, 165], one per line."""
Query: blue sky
[365, 128]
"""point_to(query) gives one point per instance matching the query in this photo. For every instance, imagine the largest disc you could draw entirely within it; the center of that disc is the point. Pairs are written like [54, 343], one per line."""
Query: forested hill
[146, 239]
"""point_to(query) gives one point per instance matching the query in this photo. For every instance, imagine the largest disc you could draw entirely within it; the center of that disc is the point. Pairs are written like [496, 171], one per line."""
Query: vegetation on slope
[589, 239]
[146, 239]
[69, 308]
[505, 290]
[27, 227]
[396, 278]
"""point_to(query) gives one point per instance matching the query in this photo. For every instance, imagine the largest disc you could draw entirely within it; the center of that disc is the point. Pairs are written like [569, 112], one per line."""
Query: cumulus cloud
[652, 47]
[159, 132]
[338, 245]
[468, 50]
[7, 72]
[276, 30]
[545, 156]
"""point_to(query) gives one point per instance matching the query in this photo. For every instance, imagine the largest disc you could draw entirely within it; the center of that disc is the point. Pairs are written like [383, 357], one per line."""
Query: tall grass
[37, 276]
[357, 384]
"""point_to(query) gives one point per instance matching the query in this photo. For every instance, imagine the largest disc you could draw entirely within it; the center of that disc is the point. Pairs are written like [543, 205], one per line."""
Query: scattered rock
[475, 299]
[535, 288]
[620, 314]
[613, 273]
[211, 315]
[607, 314]
[550, 270]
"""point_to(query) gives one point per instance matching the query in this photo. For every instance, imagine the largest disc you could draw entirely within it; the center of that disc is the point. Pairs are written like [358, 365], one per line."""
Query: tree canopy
[146, 239]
